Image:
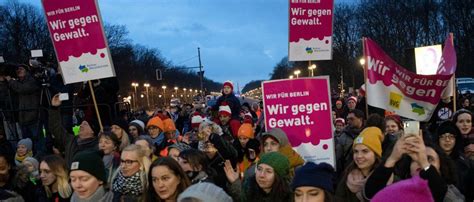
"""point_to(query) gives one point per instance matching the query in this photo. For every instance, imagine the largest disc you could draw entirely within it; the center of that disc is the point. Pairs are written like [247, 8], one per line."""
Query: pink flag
[447, 64]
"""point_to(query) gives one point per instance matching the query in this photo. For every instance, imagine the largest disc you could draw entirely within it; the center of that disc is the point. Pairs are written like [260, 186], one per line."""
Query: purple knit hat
[413, 189]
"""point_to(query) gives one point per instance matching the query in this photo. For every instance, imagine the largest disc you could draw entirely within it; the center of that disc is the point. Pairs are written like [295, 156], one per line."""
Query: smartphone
[411, 128]
[63, 96]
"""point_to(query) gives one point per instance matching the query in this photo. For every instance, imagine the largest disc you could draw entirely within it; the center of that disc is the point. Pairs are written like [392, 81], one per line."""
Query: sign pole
[453, 78]
[95, 106]
[365, 79]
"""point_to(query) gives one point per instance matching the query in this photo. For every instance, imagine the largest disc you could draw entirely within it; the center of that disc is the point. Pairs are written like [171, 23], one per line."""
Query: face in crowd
[47, 176]
[21, 150]
[363, 157]
[339, 126]
[265, 177]
[165, 182]
[106, 145]
[391, 126]
[4, 171]
[270, 144]
[354, 121]
[84, 184]
[224, 119]
[154, 131]
[133, 130]
[464, 123]
[117, 131]
[351, 104]
[227, 90]
[130, 163]
[309, 194]
[433, 159]
[447, 141]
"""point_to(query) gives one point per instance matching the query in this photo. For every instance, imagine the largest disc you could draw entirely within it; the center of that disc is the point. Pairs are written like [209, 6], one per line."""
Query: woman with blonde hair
[55, 180]
[120, 130]
[130, 180]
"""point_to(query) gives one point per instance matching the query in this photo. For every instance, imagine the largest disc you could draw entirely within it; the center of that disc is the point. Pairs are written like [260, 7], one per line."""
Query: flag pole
[95, 106]
[365, 78]
[454, 77]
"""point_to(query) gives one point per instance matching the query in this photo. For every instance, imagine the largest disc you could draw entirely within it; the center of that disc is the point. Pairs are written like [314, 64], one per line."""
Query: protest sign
[79, 40]
[310, 30]
[302, 108]
[392, 87]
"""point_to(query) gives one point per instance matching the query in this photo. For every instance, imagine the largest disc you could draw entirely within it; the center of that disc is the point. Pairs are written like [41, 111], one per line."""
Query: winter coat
[344, 148]
[66, 142]
[225, 151]
[28, 91]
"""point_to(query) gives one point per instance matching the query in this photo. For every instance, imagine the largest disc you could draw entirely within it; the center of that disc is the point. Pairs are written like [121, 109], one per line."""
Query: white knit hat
[205, 191]
[224, 109]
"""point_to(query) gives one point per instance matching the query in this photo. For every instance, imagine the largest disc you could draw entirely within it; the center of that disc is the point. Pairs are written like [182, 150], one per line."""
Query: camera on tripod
[39, 71]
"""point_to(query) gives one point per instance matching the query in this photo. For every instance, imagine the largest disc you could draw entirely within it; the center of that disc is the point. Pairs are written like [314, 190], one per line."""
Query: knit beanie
[229, 83]
[447, 127]
[155, 121]
[27, 142]
[205, 191]
[120, 123]
[90, 162]
[224, 110]
[278, 134]
[314, 175]
[139, 124]
[196, 119]
[372, 138]
[277, 161]
[179, 146]
[412, 189]
[33, 162]
[168, 125]
[246, 130]
[353, 98]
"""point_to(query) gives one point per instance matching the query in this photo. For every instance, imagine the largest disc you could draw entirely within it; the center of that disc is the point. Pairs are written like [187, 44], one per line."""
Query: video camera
[39, 71]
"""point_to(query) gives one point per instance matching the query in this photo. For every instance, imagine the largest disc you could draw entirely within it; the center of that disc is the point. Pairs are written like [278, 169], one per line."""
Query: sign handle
[95, 106]
[365, 78]
[453, 78]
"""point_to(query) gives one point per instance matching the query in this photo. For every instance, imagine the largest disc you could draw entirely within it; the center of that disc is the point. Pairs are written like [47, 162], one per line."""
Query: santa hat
[229, 83]
[353, 98]
[224, 110]
[340, 120]
[339, 102]
[196, 119]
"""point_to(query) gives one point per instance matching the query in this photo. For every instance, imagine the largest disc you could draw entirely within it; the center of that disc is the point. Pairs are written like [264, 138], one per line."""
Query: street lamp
[164, 94]
[290, 77]
[147, 85]
[135, 85]
[362, 62]
[297, 72]
[312, 68]
[176, 91]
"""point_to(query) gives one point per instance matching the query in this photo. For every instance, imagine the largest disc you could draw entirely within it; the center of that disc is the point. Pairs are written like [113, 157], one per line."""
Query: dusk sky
[240, 40]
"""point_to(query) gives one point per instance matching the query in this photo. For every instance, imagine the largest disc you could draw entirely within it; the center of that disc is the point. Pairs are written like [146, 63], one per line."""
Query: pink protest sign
[302, 108]
[392, 87]
[79, 40]
[310, 30]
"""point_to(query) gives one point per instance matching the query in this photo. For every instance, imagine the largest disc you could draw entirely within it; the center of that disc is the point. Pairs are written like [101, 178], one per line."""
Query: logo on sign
[309, 50]
[417, 109]
[83, 68]
[395, 100]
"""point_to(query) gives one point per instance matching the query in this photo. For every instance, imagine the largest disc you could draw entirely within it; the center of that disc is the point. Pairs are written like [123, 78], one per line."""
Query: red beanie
[229, 83]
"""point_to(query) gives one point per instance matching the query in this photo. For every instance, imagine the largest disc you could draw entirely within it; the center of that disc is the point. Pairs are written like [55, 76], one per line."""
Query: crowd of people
[225, 153]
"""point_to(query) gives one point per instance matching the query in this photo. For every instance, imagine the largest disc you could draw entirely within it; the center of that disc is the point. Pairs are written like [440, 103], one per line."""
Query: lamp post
[297, 73]
[290, 77]
[164, 94]
[176, 91]
[147, 85]
[311, 69]
[184, 92]
[135, 85]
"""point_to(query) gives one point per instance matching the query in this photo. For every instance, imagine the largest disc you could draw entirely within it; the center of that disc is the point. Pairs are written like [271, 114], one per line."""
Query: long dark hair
[280, 190]
[198, 159]
[447, 167]
[169, 162]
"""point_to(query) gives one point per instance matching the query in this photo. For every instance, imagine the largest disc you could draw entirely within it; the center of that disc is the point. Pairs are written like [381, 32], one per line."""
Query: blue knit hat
[314, 175]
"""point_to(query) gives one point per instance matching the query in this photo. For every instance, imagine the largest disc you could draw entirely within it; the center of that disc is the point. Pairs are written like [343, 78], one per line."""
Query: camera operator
[27, 90]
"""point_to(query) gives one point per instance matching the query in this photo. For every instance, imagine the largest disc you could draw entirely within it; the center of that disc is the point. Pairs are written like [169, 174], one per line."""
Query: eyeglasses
[447, 136]
[128, 162]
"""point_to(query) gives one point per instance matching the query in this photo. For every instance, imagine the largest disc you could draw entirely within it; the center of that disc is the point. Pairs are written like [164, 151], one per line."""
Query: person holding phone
[412, 156]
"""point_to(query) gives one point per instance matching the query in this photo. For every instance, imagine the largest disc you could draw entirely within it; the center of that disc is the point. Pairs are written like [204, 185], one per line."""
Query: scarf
[128, 185]
[355, 182]
[97, 196]
[19, 159]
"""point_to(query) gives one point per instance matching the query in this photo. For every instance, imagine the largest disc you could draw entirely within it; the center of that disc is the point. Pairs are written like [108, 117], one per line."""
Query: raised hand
[230, 173]
[55, 101]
